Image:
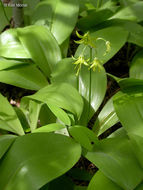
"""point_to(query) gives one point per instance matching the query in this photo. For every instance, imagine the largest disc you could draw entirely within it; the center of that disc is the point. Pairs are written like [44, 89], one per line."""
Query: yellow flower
[108, 47]
[107, 44]
[85, 39]
[79, 62]
[96, 64]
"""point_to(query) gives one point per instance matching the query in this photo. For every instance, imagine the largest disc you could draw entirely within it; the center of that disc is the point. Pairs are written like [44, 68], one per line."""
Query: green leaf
[34, 111]
[129, 109]
[137, 66]
[106, 118]
[132, 12]
[100, 182]
[49, 128]
[64, 72]
[116, 160]
[109, 34]
[82, 83]
[4, 21]
[10, 46]
[135, 30]
[61, 95]
[61, 23]
[60, 114]
[22, 118]
[24, 76]
[42, 47]
[83, 135]
[6, 64]
[36, 159]
[5, 142]
[9, 117]
[137, 142]
[46, 116]
[94, 18]
[119, 133]
[95, 81]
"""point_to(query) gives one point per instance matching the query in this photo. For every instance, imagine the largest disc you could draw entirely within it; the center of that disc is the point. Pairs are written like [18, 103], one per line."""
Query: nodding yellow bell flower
[108, 47]
[85, 39]
[95, 64]
[107, 44]
[79, 62]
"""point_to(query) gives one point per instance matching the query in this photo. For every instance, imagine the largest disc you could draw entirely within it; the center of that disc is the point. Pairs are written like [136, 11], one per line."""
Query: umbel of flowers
[89, 41]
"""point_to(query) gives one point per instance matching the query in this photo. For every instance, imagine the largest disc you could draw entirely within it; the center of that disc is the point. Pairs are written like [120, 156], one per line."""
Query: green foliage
[53, 128]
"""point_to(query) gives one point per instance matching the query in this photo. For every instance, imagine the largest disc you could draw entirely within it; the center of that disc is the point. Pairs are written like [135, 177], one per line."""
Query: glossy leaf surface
[83, 135]
[132, 12]
[24, 76]
[100, 182]
[61, 95]
[49, 128]
[116, 160]
[10, 46]
[41, 158]
[137, 66]
[61, 23]
[106, 118]
[8, 118]
[40, 44]
[5, 142]
[129, 111]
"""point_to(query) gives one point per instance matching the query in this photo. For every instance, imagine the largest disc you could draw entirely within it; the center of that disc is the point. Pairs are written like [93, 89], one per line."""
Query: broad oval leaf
[137, 66]
[129, 109]
[24, 76]
[60, 114]
[8, 118]
[83, 135]
[100, 182]
[10, 46]
[36, 159]
[61, 95]
[94, 18]
[5, 143]
[132, 12]
[6, 64]
[61, 23]
[116, 160]
[106, 118]
[49, 128]
[42, 47]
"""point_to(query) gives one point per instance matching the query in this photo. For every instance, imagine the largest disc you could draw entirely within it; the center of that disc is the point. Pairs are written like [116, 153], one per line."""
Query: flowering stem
[89, 100]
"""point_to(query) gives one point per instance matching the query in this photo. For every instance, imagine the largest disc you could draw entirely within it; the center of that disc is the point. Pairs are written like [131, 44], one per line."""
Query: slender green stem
[4, 12]
[99, 3]
[89, 100]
